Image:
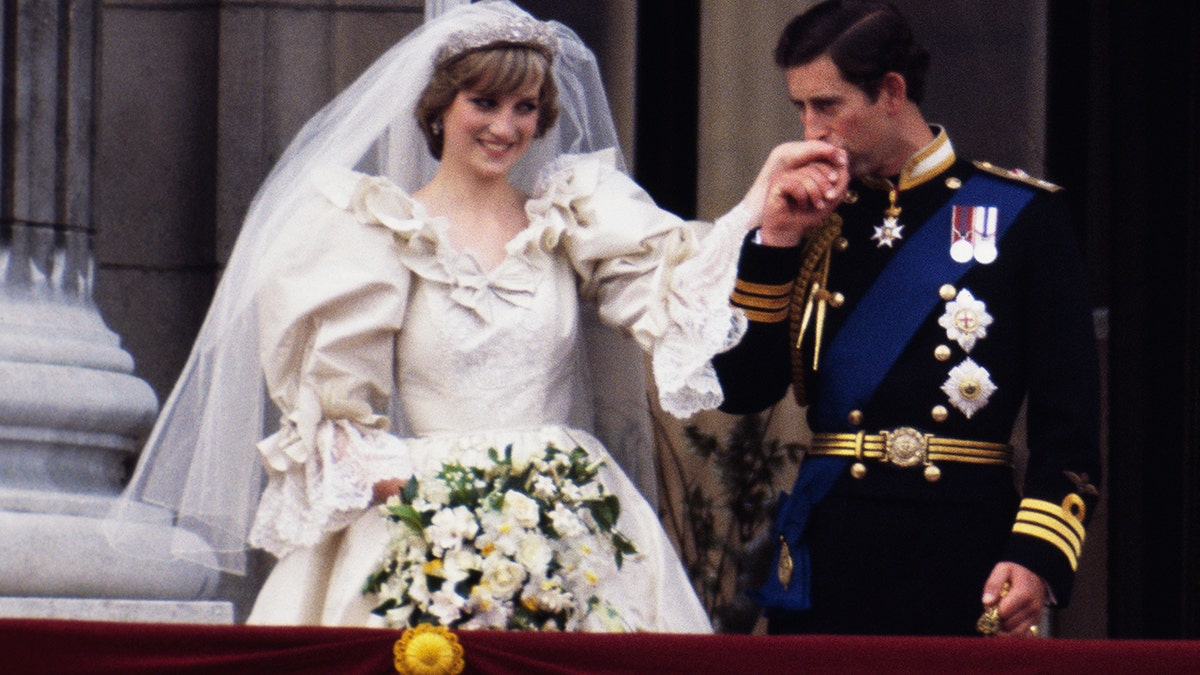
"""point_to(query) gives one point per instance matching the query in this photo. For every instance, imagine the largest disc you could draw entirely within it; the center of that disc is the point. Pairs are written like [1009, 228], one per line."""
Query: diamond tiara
[518, 31]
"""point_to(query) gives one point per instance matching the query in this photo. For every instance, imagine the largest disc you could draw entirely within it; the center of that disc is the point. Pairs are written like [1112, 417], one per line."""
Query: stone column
[72, 415]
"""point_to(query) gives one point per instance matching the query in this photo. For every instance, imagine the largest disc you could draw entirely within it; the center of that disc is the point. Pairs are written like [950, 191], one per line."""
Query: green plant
[719, 499]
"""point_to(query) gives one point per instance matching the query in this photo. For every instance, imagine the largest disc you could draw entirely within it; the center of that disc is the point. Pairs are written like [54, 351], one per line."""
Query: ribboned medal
[983, 228]
[973, 233]
[891, 230]
[961, 250]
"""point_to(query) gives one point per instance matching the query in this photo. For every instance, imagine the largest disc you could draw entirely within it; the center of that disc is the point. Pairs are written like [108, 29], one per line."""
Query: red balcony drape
[48, 647]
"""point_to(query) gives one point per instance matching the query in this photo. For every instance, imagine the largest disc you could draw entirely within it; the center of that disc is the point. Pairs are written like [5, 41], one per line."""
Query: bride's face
[487, 133]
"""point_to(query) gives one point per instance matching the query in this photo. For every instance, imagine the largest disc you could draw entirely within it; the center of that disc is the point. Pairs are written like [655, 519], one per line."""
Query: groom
[913, 313]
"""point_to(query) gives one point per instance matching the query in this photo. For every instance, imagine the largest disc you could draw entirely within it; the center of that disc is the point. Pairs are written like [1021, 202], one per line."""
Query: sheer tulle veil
[200, 469]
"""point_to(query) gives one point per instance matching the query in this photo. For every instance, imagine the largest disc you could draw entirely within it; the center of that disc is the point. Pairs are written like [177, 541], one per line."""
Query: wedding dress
[480, 359]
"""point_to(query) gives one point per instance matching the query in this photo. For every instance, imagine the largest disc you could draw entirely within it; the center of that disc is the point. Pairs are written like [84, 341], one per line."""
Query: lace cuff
[325, 487]
[702, 321]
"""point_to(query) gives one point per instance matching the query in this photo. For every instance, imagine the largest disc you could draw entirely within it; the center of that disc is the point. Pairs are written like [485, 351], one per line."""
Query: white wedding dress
[476, 358]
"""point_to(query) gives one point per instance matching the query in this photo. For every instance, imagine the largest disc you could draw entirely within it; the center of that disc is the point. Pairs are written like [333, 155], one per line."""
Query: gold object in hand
[989, 623]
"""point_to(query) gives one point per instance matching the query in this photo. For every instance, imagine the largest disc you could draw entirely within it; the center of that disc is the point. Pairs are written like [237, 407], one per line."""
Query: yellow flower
[433, 568]
[428, 650]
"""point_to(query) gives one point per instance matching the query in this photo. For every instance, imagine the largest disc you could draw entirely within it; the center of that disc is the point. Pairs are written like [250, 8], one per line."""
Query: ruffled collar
[423, 241]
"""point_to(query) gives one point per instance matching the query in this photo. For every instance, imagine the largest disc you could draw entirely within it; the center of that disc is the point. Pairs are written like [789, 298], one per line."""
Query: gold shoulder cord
[809, 291]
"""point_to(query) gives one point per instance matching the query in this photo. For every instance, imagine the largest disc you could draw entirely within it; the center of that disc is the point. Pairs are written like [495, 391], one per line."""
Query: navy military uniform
[919, 502]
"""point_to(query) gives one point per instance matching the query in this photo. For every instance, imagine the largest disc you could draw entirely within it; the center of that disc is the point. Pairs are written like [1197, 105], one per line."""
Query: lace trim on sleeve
[690, 319]
[324, 487]
[702, 321]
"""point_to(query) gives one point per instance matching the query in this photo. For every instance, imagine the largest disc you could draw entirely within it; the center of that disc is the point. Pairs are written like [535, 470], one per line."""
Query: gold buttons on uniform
[933, 474]
[939, 413]
[836, 300]
[858, 470]
[850, 198]
[855, 417]
[941, 353]
[953, 183]
[947, 292]
[841, 244]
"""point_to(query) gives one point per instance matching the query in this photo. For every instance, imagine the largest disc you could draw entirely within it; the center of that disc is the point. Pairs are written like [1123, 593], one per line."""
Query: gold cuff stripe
[1040, 533]
[1055, 511]
[1054, 525]
[759, 302]
[765, 317]
[783, 290]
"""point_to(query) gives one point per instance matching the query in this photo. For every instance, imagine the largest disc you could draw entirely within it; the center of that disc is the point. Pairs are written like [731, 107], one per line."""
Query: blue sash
[860, 356]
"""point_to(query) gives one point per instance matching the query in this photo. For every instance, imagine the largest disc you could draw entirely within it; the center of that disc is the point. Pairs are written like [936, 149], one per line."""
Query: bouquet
[486, 541]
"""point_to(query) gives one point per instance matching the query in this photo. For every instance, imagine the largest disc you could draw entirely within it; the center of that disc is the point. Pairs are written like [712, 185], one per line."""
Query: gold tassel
[785, 563]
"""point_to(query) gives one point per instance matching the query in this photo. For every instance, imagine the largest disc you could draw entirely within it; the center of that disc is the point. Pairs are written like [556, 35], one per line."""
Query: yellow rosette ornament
[428, 650]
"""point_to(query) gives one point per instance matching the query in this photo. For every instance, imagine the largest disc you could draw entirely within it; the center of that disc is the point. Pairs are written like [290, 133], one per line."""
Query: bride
[416, 280]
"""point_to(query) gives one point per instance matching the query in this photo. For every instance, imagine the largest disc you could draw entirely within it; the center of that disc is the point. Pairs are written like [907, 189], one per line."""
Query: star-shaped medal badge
[966, 320]
[888, 233]
[969, 387]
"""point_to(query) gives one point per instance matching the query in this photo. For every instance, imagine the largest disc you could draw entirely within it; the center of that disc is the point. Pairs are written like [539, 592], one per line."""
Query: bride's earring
[436, 127]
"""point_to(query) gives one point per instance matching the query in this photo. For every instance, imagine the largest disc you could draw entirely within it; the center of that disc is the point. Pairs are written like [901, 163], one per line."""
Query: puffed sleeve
[665, 281]
[327, 321]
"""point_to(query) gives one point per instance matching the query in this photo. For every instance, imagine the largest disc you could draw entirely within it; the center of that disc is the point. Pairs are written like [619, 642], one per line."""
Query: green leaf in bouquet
[605, 510]
[623, 547]
[405, 513]
[384, 607]
[375, 582]
[409, 492]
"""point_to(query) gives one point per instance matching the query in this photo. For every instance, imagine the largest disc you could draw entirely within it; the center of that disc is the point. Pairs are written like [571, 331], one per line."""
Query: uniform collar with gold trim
[923, 165]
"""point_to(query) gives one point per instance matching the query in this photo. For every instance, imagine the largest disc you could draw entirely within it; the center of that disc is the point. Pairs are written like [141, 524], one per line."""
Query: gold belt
[906, 447]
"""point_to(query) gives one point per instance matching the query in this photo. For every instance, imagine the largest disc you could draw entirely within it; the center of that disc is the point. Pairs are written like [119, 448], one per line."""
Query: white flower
[488, 554]
[418, 590]
[487, 611]
[571, 492]
[966, 320]
[566, 523]
[535, 555]
[501, 576]
[500, 532]
[544, 487]
[450, 527]
[550, 596]
[434, 491]
[521, 508]
[446, 605]
[458, 565]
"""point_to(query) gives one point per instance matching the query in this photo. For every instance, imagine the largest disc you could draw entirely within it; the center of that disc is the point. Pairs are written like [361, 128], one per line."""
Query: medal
[961, 250]
[973, 234]
[888, 233]
[891, 230]
[969, 387]
[966, 320]
[984, 232]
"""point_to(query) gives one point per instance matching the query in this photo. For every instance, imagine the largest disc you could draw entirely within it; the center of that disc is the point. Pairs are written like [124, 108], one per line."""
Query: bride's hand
[798, 186]
[387, 488]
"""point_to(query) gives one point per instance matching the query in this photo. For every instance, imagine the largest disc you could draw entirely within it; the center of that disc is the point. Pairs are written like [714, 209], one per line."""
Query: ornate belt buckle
[905, 446]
